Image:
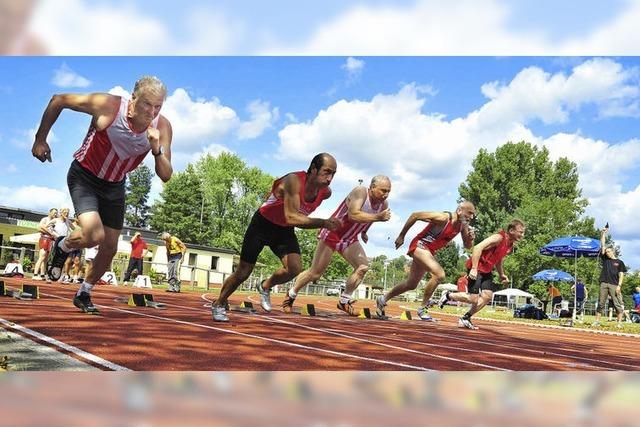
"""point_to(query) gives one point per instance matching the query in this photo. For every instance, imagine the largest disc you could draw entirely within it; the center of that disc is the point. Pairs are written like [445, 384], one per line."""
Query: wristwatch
[160, 151]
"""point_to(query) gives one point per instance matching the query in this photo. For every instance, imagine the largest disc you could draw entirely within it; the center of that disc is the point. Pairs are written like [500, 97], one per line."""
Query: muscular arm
[163, 168]
[487, 243]
[291, 191]
[423, 216]
[356, 200]
[101, 106]
[602, 247]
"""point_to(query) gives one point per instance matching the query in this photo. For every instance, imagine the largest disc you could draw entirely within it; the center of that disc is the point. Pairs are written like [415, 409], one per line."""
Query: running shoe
[424, 315]
[265, 297]
[83, 302]
[443, 299]
[466, 323]
[287, 304]
[380, 305]
[348, 307]
[57, 257]
[219, 314]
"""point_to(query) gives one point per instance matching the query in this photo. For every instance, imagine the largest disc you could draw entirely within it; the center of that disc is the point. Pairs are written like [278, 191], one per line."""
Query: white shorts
[90, 253]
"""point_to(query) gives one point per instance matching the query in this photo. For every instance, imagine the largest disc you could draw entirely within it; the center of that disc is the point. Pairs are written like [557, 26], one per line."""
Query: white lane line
[352, 337]
[258, 337]
[519, 347]
[67, 347]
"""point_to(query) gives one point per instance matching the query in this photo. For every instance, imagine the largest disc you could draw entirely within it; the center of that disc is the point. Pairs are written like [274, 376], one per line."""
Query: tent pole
[575, 287]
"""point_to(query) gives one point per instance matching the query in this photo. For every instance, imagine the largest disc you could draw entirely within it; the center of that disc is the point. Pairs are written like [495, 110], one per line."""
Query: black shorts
[262, 232]
[92, 194]
[483, 282]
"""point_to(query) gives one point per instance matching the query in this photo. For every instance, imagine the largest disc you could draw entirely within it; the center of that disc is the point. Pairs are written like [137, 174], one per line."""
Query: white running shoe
[423, 314]
[219, 314]
[443, 299]
[466, 323]
[265, 297]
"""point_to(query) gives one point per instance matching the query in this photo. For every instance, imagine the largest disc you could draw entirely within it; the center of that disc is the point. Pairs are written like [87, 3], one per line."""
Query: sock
[467, 315]
[63, 245]
[85, 287]
[292, 294]
[383, 299]
[345, 298]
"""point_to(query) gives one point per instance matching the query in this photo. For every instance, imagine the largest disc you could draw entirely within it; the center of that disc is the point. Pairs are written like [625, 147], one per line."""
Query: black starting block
[406, 315]
[308, 310]
[365, 313]
[28, 292]
[144, 300]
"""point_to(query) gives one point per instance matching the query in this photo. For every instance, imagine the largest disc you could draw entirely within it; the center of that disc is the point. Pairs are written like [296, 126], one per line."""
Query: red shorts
[45, 243]
[337, 244]
[417, 243]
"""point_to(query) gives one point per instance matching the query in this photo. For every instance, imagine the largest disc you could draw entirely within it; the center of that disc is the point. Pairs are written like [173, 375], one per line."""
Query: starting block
[144, 300]
[28, 292]
[406, 315]
[142, 281]
[308, 310]
[365, 313]
[109, 278]
[246, 304]
[244, 307]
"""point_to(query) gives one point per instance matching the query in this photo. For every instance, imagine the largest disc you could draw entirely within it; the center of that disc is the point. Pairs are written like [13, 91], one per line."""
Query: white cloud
[427, 156]
[65, 77]
[11, 168]
[34, 197]
[78, 27]
[354, 68]
[262, 118]
[197, 122]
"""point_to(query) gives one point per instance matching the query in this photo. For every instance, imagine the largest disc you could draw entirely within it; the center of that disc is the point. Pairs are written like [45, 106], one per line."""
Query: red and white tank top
[273, 208]
[115, 151]
[350, 230]
[435, 236]
[490, 257]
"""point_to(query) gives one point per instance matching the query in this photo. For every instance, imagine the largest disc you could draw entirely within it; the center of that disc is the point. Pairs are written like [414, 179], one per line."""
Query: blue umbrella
[572, 247]
[553, 276]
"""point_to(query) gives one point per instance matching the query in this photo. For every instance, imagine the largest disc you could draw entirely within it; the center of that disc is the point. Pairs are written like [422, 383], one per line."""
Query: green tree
[448, 258]
[232, 194]
[519, 180]
[180, 209]
[137, 190]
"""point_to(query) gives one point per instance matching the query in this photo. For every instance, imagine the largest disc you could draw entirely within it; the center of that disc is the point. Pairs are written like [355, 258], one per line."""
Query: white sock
[85, 287]
[292, 294]
[383, 299]
[345, 298]
[63, 245]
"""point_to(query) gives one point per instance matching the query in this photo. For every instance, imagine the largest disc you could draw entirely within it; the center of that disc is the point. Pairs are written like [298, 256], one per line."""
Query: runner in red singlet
[293, 197]
[122, 132]
[361, 208]
[442, 228]
[486, 255]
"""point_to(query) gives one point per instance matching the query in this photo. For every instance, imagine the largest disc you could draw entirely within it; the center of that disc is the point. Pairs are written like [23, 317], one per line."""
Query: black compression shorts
[262, 232]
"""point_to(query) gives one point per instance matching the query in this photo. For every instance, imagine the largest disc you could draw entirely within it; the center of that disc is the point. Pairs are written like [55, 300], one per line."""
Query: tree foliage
[137, 190]
[519, 180]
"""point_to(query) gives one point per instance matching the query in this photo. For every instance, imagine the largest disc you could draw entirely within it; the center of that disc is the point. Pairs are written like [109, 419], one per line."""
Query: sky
[419, 120]
[410, 88]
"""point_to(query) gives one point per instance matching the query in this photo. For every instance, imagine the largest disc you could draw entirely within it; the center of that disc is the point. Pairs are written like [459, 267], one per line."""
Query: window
[192, 259]
[214, 262]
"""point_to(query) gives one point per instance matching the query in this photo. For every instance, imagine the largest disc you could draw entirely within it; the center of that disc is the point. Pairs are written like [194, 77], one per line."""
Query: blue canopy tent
[572, 247]
[553, 276]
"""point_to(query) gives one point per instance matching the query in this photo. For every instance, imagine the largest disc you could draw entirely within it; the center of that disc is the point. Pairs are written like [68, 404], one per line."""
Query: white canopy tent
[511, 297]
[123, 247]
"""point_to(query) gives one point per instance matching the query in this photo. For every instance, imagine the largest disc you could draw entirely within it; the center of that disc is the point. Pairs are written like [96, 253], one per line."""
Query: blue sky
[419, 120]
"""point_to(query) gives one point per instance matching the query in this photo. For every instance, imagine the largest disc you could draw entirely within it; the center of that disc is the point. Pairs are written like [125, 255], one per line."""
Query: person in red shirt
[486, 255]
[293, 197]
[138, 250]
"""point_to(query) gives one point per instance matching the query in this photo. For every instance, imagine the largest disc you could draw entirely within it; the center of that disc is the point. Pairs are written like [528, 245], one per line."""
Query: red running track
[184, 337]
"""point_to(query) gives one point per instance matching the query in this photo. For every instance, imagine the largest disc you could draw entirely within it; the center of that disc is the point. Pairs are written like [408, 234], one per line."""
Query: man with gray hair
[611, 278]
[442, 227]
[361, 208]
[122, 132]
